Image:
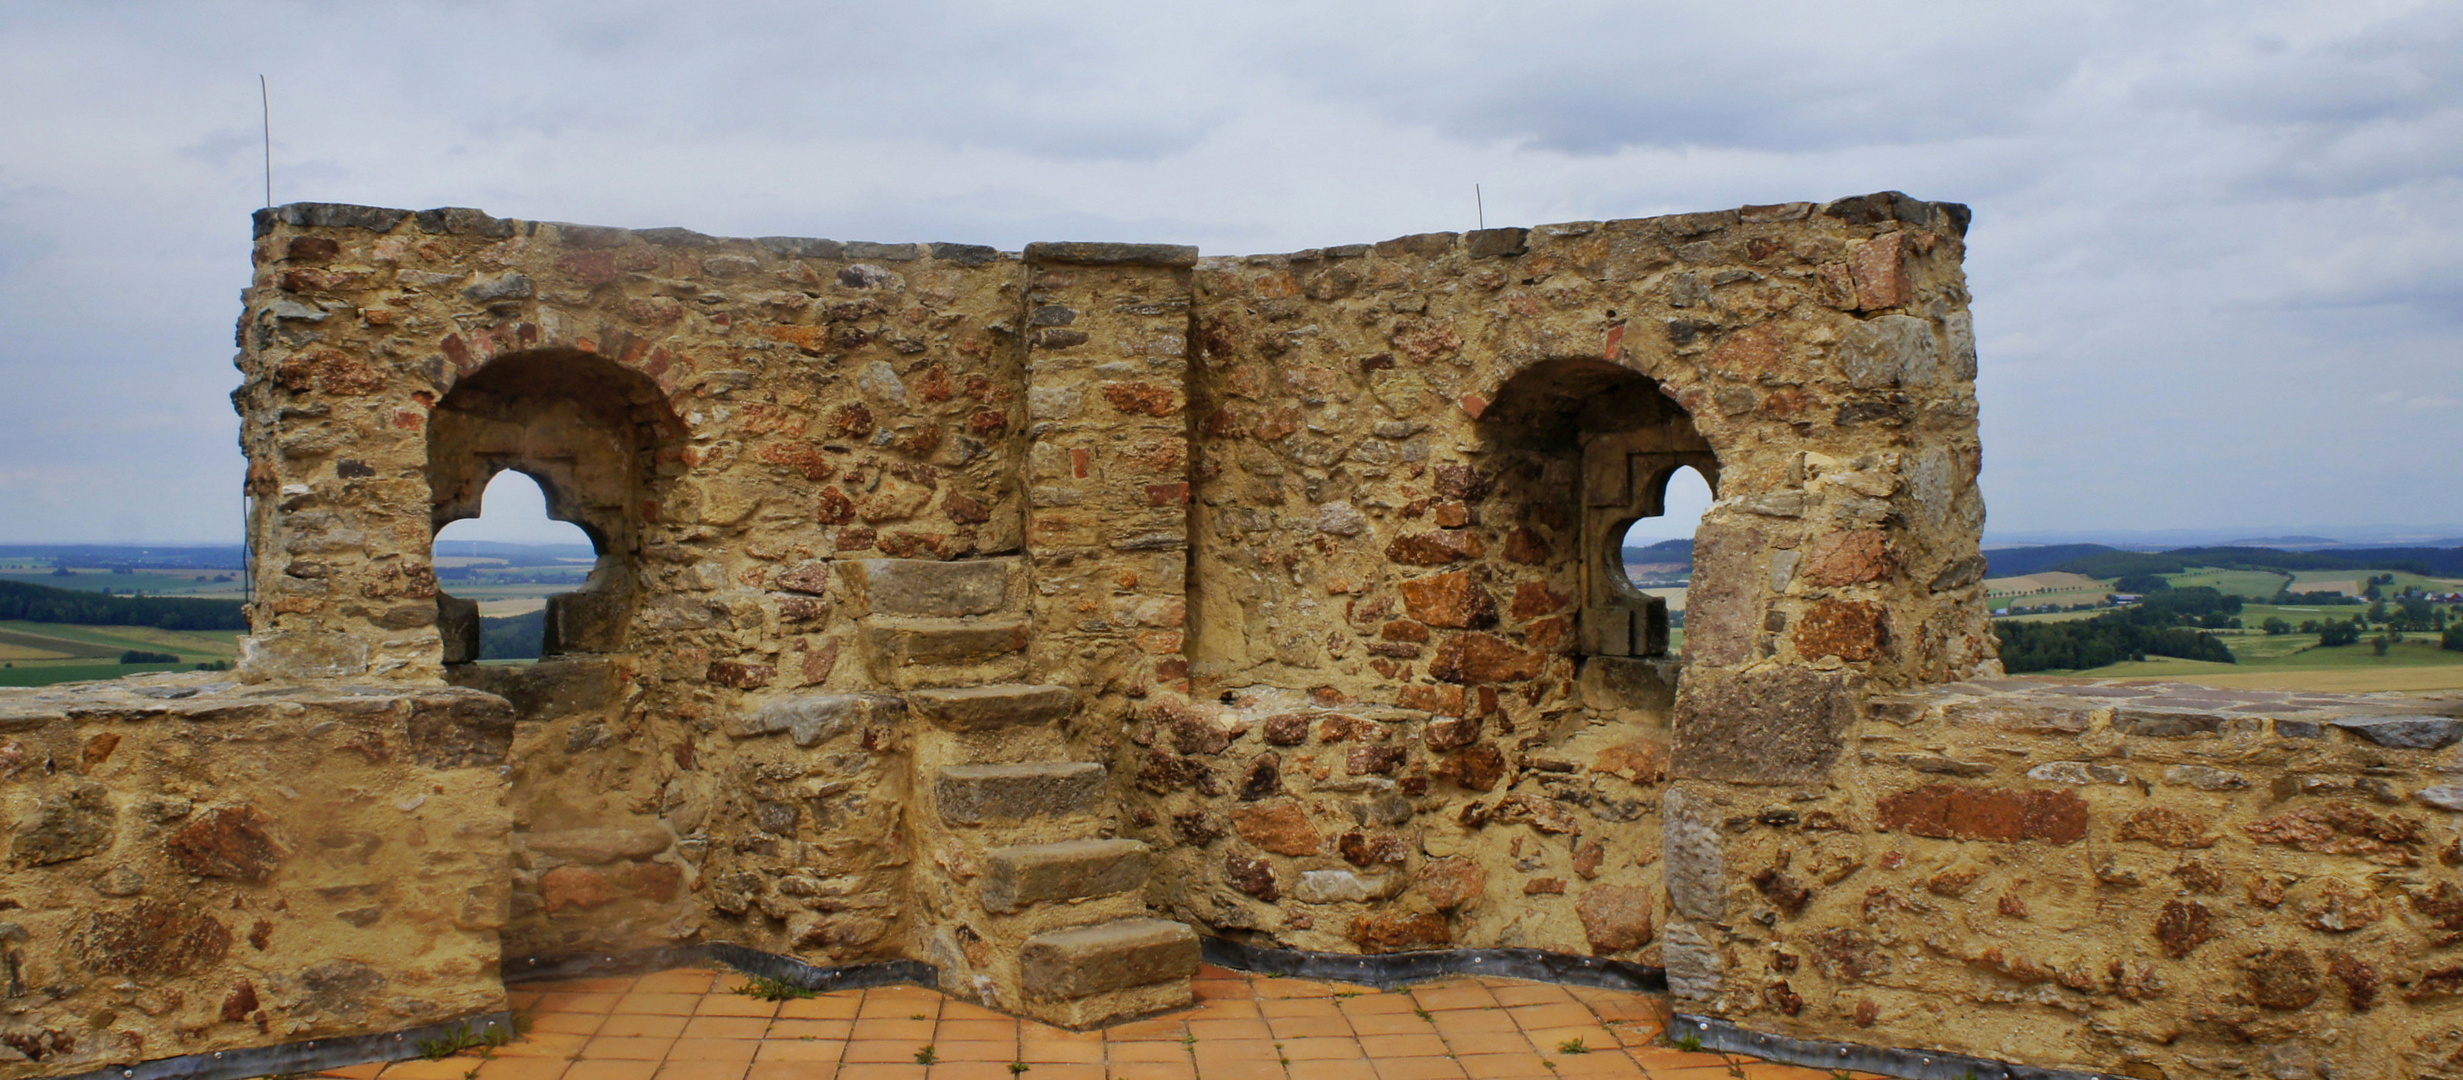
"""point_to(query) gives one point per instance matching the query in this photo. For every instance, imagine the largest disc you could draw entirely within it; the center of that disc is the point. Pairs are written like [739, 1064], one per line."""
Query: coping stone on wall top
[316, 215]
[1174, 256]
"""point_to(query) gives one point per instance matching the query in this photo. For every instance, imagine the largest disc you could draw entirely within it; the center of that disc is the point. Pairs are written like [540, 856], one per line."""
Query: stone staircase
[1036, 907]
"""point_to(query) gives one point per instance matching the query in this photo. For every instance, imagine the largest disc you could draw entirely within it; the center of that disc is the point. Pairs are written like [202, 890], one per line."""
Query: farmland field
[2253, 584]
[36, 654]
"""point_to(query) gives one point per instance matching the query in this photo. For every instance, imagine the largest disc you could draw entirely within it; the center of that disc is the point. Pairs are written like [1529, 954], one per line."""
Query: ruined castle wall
[791, 403]
[1395, 740]
[2137, 880]
[199, 866]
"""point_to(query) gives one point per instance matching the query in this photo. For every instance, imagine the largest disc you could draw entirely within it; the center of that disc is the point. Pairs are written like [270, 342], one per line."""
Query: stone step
[895, 643]
[976, 794]
[1087, 960]
[1016, 877]
[930, 589]
[988, 708]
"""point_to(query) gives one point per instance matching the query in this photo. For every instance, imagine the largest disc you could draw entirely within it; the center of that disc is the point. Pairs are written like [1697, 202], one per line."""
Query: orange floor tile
[692, 1024]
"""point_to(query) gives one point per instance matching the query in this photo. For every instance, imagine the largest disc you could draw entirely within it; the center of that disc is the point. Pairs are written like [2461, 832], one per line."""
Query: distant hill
[202, 557]
[514, 554]
[2435, 562]
[2022, 561]
[1665, 551]
[512, 637]
[43, 604]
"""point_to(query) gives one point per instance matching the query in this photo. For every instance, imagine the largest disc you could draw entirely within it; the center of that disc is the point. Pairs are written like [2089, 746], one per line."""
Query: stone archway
[588, 431]
[1629, 440]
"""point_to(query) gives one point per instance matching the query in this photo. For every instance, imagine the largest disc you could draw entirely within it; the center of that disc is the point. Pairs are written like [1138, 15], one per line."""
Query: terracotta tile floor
[691, 1025]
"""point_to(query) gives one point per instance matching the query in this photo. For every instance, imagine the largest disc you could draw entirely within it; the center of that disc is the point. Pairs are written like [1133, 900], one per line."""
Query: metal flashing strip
[551, 967]
[1717, 1034]
[313, 1055]
[1399, 969]
[788, 969]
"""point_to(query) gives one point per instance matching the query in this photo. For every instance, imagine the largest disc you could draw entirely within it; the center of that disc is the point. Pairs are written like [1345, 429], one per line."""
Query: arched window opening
[590, 434]
[1657, 550]
[1596, 446]
[509, 562]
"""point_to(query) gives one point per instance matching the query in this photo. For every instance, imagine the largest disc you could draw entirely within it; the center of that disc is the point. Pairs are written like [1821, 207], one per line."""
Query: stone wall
[727, 419]
[2140, 880]
[969, 605]
[1419, 718]
[198, 866]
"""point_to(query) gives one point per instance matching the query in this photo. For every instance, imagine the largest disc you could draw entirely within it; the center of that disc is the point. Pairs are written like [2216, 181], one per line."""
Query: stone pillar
[1107, 467]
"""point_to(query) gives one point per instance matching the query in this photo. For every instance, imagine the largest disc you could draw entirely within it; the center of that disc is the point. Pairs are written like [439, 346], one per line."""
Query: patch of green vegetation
[2247, 584]
[769, 989]
[462, 1037]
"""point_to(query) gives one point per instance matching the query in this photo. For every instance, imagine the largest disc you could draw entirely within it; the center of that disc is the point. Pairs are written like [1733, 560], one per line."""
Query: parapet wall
[1032, 613]
[198, 866]
[2119, 880]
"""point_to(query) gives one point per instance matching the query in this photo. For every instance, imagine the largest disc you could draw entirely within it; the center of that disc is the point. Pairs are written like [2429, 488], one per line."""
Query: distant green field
[37, 654]
[2253, 584]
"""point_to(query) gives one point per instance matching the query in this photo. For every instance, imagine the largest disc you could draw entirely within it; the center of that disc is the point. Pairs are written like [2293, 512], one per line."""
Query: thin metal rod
[265, 104]
[1476, 200]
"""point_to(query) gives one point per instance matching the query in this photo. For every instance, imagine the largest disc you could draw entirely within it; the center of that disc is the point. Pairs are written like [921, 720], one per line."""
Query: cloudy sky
[2217, 252]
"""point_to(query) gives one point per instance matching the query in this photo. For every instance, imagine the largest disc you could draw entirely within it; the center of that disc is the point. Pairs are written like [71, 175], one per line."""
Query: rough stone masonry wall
[197, 866]
[1395, 741]
[2151, 881]
[1293, 538]
[825, 401]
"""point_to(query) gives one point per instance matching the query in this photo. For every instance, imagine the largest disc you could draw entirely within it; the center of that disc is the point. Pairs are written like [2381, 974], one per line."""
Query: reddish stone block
[1747, 354]
[1455, 600]
[1949, 811]
[2182, 926]
[228, 842]
[1365, 760]
[740, 675]
[1880, 271]
[1451, 733]
[1546, 886]
[312, 249]
[1403, 630]
[1615, 918]
[1442, 700]
[1848, 558]
[1390, 933]
[1167, 494]
[1252, 876]
[574, 887]
[1484, 658]
[1852, 630]
[1142, 398]
[1435, 549]
[1368, 849]
[2167, 827]
[965, 510]
[1452, 883]
[1534, 598]
[1282, 828]
[1477, 767]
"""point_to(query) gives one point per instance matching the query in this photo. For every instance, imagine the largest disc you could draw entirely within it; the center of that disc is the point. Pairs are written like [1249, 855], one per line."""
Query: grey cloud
[2186, 216]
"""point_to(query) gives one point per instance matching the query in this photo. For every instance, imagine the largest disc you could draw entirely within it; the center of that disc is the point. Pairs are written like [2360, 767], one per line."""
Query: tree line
[43, 604]
[2167, 623]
